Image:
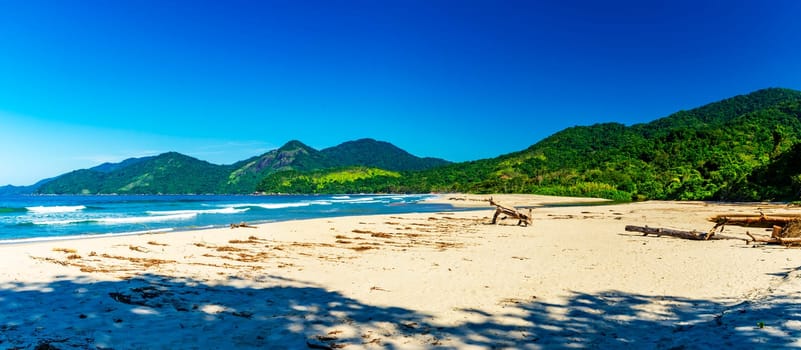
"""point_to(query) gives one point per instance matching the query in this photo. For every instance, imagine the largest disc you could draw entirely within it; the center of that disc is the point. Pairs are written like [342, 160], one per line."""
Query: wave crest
[55, 209]
[118, 221]
[227, 210]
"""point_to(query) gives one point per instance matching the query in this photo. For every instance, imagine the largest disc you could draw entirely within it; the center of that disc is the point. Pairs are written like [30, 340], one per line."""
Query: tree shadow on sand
[157, 312]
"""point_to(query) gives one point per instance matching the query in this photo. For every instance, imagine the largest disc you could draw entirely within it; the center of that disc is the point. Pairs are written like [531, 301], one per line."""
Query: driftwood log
[692, 235]
[753, 220]
[788, 241]
[787, 235]
[785, 229]
[522, 218]
[242, 224]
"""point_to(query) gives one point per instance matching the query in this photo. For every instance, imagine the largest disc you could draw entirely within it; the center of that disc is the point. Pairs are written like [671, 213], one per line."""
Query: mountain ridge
[722, 150]
[176, 173]
[739, 148]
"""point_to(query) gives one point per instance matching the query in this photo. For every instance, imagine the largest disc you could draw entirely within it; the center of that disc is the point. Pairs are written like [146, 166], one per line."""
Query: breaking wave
[55, 209]
[120, 220]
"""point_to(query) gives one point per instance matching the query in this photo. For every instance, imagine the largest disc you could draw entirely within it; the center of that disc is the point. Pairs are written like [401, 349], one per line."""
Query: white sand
[574, 278]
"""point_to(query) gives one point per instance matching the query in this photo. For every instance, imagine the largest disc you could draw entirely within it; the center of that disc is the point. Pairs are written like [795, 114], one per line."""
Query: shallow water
[53, 217]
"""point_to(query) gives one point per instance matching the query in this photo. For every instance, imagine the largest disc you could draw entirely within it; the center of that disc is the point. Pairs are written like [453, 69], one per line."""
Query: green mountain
[747, 147]
[741, 148]
[294, 155]
[18, 190]
[378, 154]
[166, 173]
[109, 167]
[706, 153]
[175, 173]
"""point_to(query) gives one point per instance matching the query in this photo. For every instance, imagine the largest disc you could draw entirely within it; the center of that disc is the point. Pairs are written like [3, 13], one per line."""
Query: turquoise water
[53, 217]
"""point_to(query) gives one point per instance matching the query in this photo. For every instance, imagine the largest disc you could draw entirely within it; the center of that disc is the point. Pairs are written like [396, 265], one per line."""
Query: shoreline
[409, 281]
[41, 221]
[463, 200]
[458, 201]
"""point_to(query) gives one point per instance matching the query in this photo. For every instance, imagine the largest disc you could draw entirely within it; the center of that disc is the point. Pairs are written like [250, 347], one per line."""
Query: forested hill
[746, 147]
[166, 173]
[711, 152]
[742, 148]
[175, 173]
[379, 154]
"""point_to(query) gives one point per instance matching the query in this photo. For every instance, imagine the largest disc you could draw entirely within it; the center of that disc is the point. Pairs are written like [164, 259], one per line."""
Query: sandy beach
[573, 279]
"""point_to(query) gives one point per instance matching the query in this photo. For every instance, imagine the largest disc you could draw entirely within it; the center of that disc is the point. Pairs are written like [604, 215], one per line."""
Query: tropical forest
[744, 148]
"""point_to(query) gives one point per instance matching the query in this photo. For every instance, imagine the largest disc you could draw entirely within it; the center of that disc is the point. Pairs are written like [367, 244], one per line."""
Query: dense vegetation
[742, 148]
[379, 154]
[344, 180]
[167, 173]
[174, 173]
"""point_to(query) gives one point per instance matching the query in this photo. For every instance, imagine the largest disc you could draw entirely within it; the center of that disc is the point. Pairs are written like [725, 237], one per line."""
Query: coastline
[462, 200]
[432, 280]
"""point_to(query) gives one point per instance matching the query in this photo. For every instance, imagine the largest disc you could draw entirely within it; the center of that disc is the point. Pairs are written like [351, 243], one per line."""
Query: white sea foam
[61, 222]
[273, 205]
[55, 209]
[341, 197]
[281, 205]
[226, 210]
[120, 220]
[144, 219]
[356, 200]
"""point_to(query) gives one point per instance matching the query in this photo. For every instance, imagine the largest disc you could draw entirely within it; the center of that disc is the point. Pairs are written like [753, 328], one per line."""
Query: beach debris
[754, 220]
[65, 250]
[138, 249]
[242, 224]
[785, 229]
[122, 298]
[691, 235]
[523, 219]
[326, 342]
[787, 235]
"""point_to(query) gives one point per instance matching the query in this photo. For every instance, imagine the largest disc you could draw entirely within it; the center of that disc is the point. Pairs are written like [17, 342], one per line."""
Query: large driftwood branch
[522, 219]
[774, 239]
[763, 239]
[692, 235]
[753, 220]
[745, 220]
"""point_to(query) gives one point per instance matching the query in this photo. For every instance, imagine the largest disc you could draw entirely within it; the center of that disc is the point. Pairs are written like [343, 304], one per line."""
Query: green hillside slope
[741, 148]
[294, 155]
[168, 173]
[174, 173]
[378, 154]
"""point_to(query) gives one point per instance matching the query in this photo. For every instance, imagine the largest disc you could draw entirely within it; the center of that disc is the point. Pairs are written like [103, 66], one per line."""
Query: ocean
[32, 218]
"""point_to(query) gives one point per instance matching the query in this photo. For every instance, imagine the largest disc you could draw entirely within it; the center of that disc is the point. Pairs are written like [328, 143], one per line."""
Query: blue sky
[85, 82]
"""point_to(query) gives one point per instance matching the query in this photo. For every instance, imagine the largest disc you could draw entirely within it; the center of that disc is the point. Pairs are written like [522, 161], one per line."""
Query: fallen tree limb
[763, 239]
[753, 220]
[740, 215]
[691, 235]
[774, 240]
[524, 219]
[790, 240]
